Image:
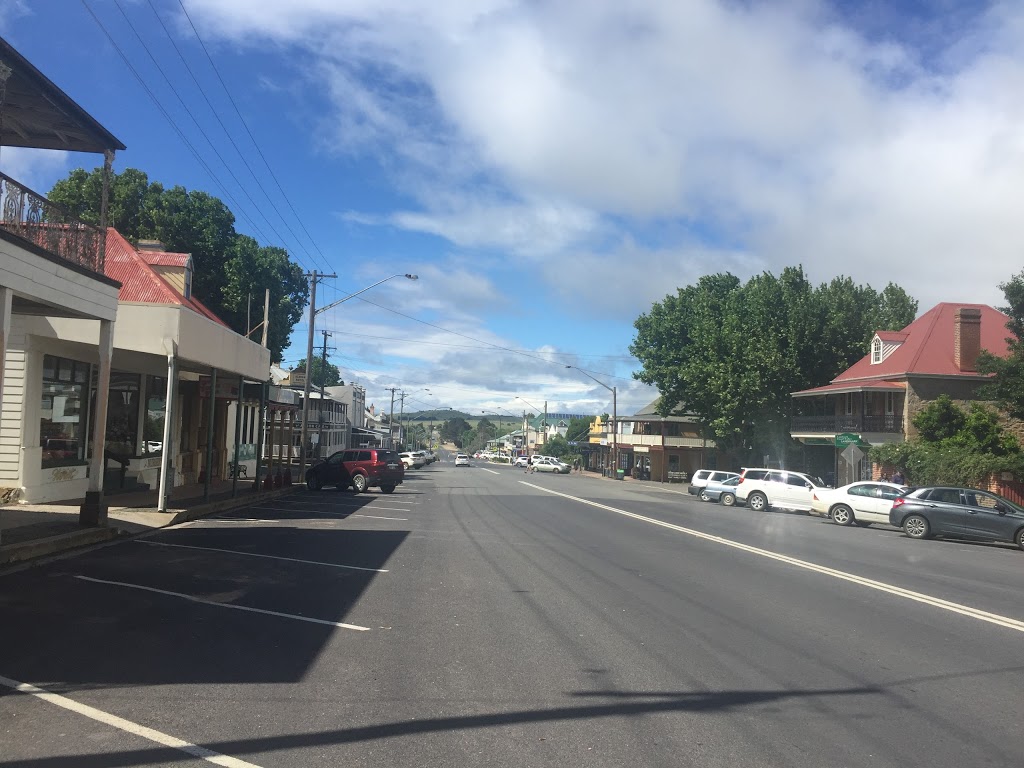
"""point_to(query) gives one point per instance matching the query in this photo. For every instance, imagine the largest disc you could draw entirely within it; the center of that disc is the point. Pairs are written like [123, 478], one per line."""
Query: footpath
[31, 531]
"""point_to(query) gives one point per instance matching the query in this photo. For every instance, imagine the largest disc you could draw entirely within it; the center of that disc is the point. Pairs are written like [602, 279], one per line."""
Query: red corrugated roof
[165, 258]
[928, 347]
[872, 386]
[140, 284]
[891, 335]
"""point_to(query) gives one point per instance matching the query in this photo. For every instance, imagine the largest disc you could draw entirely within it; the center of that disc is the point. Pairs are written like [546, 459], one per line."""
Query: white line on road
[378, 517]
[127, 726]
[937, 602]
[255, 554]
[493, 472]
[214, 603]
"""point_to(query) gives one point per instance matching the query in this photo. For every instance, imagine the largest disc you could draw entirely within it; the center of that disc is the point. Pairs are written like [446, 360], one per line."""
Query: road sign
[844, 439]
[852, 454]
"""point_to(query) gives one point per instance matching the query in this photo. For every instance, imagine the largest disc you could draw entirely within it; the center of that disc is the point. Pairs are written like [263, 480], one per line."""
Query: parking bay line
[936, 602]
[214, 603]
[374, 517]
[257, 554]
[127, 725]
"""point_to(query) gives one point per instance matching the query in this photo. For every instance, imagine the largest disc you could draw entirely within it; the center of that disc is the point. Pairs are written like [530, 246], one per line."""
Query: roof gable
[928, 345]
[140, 283]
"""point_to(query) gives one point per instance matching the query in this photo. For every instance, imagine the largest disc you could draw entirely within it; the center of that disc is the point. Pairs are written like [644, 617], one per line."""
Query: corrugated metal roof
[165, 258]
[140, 284]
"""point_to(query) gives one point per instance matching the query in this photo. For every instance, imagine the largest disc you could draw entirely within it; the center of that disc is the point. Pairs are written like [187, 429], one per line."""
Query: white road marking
[946, 605]
[378, 517]
[214, 603]
[127, 726]
[255, 554]
[493, 472]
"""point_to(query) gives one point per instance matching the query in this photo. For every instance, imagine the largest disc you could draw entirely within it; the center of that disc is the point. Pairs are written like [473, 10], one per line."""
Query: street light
[615, 417]
[313, 312]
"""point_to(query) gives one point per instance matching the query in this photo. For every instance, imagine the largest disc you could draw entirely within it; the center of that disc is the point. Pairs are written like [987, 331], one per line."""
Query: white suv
[704, 476]
[765, 489]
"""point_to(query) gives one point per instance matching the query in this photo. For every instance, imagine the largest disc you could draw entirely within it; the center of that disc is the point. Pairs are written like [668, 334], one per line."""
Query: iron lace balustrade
[32, 217]
[888, 424]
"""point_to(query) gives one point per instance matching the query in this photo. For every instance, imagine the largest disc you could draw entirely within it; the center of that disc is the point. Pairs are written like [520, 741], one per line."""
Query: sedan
[722, 491]
[551, 465]
[859, 503]
[959, 513]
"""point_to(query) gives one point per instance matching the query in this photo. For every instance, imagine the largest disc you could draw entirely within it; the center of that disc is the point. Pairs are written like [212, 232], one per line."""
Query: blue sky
[551, 169]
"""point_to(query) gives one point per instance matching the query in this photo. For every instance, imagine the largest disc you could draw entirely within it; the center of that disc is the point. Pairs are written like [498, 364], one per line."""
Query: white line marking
[255, 554]
[485, 469]
[126, 725]
[394, 498]
[195, 599]
[937, 602]
[378, 517]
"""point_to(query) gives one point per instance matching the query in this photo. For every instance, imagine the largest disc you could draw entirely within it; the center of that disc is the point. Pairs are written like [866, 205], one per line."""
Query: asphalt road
[483, 616]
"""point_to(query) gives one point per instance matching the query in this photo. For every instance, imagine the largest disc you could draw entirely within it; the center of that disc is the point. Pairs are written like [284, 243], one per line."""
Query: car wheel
[359, 482]
[313, 481]
[1019, 538]
[916, 527]
[387, 488]
[842, 515]
[728, 499]
[758, 502]
[704, 496]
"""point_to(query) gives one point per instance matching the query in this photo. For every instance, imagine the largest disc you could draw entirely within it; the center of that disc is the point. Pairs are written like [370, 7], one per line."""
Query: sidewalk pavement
[30, 531]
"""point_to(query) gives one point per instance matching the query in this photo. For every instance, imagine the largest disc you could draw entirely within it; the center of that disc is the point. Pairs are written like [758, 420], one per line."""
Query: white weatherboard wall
[49, 282]
[13, 407]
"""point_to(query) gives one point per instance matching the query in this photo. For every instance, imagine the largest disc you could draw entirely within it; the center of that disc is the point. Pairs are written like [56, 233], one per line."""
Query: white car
[704, 476]
[462, 460]
[549, 464]
[861, 503]
[521, 461]
[766, 489]
[411, 460]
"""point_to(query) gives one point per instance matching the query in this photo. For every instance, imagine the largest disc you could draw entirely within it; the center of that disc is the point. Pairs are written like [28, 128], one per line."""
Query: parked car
[411, 460]
[704, 476]
[360, 468]
[521, 461]
[722, 491]
[423, 456]
[959, 513]
[549, 464]
[462, 460]
[861, 503]
[766, 489]
[540, 457]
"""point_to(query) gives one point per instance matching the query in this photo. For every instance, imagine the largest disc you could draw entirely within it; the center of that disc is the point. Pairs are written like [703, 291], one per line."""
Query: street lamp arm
[343, 299]
[610, 389]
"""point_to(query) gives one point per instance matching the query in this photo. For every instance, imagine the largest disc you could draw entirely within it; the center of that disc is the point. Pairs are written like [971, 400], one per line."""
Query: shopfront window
[62, 416]
[123, 414]
[156, 410]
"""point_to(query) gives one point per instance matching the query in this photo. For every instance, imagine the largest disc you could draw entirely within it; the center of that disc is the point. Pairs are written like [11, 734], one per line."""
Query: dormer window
[876, 351]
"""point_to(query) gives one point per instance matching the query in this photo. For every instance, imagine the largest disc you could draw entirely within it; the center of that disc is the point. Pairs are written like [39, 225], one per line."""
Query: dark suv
[360, 468]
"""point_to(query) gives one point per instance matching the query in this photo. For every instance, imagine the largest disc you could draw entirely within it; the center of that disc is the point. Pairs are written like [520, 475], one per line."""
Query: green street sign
[848, 438]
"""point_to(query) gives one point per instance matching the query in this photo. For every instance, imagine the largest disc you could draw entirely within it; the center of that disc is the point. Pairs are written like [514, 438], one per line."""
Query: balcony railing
[32, 217]
[890, 424]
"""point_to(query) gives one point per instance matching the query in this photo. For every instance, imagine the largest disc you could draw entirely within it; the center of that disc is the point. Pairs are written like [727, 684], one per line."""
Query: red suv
[360, 468]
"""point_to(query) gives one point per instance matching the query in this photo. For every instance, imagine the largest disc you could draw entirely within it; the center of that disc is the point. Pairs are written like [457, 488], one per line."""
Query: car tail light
[739, 481]
[899, 501]
[814, 496]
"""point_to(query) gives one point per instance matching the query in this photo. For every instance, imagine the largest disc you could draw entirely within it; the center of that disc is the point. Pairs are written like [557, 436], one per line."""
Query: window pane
[61, 418]
[156, 409]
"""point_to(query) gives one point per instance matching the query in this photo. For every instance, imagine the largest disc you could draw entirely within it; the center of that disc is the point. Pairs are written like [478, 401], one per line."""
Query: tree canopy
[319, 375]
[1007, 385]
[229, 267]
[732, 353]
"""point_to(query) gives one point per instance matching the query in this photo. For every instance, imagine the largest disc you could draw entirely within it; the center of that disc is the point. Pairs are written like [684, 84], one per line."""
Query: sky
[550, 170]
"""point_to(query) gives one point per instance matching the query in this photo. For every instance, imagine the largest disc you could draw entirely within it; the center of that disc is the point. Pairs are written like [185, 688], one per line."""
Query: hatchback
[959, 513]
[462, 460]
[360, 468]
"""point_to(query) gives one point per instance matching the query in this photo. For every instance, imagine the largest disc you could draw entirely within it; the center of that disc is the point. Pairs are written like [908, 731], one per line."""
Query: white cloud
[34, 168]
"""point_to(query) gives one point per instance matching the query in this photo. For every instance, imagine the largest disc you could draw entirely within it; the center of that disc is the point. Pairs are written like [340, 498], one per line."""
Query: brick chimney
[966, 338]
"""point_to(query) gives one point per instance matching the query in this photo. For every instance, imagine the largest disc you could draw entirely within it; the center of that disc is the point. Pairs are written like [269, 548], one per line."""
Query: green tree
[227, 266]
[557, 446]
[453, 430]
[578, 430]
[1007, 385]
[319, 375]
[733, 353]
[941, 419]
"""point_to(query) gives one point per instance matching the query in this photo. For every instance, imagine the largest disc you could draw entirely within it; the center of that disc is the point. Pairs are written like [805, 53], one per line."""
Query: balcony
[889, 424]
[45, 224]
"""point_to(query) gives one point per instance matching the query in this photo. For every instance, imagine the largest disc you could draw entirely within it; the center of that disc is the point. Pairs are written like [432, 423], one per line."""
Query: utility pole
[391, 419]
[323, 394]
[401, 416]
[314, 278]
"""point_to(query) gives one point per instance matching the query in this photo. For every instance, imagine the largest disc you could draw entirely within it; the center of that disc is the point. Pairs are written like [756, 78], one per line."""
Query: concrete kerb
[127, 522]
